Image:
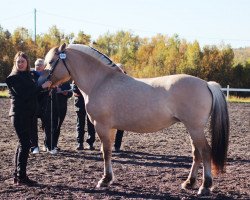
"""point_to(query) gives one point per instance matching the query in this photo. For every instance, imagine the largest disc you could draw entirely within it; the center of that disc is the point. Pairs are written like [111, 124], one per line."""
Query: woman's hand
[76, 95]
[46, 84]
[65, 93]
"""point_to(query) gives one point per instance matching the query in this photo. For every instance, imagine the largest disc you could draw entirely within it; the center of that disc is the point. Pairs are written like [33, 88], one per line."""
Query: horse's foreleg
[107, 142]
[191, 180]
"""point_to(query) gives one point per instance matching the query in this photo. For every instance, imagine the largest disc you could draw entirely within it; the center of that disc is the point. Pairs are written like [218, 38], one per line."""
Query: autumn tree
[173, 57]
[216, 64]
[142, 57]
[82, 38]
[121, 47]
[22, 41]
[6, 54]
[193, 58]
[126, 45]
[105, 44]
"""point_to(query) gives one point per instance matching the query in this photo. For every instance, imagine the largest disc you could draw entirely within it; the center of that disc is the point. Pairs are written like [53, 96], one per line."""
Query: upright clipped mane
[93, 53]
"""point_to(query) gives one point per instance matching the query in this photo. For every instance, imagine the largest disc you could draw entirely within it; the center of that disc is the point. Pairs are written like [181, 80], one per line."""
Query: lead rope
[84, 164]
[51, 119]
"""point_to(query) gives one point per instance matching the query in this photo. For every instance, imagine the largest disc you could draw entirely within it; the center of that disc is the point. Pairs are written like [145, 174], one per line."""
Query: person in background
[23, 91]
[118, 140]
[81, 117]
[58, 97]
[119, 133]
[42, 99]
[64, 92]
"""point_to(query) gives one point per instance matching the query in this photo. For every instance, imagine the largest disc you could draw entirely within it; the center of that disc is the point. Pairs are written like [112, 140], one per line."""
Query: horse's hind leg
[191, 180]
[205, 152]
[107, 139]
[201, 152]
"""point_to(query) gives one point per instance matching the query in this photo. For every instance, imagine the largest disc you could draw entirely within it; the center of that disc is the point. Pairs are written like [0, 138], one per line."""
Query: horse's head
[55, 61]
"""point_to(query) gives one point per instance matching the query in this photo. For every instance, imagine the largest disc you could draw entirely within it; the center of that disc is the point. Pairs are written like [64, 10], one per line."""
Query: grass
[235, 99]
[4, 93]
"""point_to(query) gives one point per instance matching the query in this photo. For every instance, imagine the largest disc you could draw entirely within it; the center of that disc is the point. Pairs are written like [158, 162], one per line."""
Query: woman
[23, 93]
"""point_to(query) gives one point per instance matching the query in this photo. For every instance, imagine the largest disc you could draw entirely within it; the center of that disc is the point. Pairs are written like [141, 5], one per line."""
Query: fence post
[227, 92]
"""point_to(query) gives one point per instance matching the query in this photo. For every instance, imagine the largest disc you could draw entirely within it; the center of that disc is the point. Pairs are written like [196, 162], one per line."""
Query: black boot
[24, 181]
[117, 149]
[79, 146]
[15, 178]
[91, 147]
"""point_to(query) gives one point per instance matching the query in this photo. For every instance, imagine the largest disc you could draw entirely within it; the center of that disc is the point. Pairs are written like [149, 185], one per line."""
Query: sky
[213, 22]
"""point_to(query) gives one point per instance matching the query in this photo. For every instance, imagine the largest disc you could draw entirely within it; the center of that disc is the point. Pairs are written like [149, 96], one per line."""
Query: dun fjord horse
[115, 100]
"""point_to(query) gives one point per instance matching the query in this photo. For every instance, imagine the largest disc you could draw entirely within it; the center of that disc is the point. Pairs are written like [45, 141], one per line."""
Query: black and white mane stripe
[94, 53]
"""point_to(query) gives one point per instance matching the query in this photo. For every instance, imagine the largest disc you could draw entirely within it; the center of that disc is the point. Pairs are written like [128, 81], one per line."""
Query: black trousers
[34, 134]
[42, 107]
[53, 128]
[34, 130]
[118, 138]
[80, 128]
[22, 125]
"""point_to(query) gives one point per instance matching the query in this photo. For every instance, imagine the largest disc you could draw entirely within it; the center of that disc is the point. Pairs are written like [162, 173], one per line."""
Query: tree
[240, 77]
[143, 55]
[173, 56]
[105, 44]
[193, 59]
[22, 41]
[45, 42]
[121, 47]
[82, 38]
[216, 64]
[159, 54]
[126, 44]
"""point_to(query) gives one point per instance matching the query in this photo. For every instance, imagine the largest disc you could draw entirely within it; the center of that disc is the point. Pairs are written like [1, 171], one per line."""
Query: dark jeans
[118, 139]
[80, 128]
[22, 124]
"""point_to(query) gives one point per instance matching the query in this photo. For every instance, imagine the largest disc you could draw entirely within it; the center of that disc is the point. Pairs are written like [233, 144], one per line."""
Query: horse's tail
[219, 127]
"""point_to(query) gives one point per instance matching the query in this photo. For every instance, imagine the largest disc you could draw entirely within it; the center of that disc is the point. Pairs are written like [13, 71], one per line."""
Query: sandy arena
[151, 165]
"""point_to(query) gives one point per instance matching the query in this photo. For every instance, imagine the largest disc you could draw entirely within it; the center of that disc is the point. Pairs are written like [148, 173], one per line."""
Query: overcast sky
[209, 22]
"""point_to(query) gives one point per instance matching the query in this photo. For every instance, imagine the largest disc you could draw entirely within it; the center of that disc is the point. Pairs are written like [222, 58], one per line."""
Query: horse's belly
[147, 124]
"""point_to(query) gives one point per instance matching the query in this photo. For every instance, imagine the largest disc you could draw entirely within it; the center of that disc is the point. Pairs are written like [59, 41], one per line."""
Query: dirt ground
[151, 166]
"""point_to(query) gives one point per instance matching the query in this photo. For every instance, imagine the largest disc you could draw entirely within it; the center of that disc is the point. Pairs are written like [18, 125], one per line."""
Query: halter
[62, 56]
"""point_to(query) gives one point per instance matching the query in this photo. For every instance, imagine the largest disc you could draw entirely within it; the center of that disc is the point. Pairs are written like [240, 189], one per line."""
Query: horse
[115, 100]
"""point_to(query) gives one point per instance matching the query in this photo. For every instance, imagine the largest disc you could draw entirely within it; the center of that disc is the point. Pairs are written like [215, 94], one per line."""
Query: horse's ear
[62, 47]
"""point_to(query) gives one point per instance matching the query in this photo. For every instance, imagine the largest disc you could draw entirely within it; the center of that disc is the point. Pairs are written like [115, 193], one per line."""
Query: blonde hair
[23, 55]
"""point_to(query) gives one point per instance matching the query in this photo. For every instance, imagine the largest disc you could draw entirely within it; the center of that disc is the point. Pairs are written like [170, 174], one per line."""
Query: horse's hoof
[102, 184]
[188, 184]
[204, 191]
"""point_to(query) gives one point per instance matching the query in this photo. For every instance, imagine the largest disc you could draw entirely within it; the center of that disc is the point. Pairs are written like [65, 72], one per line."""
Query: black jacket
[79, 100]
[65, 87]
[42, 97]
[23, 92]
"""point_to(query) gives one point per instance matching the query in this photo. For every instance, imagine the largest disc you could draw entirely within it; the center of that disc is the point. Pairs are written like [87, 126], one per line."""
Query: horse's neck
[87, 72]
